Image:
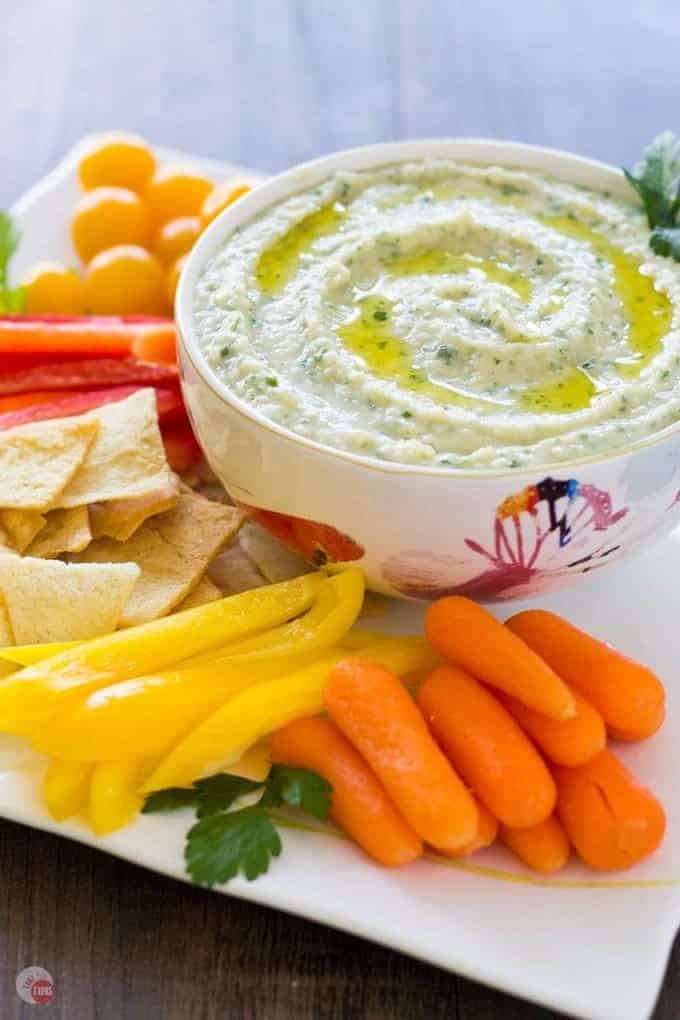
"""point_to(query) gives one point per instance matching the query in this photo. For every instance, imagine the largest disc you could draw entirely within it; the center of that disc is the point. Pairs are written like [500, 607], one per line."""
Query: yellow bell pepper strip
[26, 655]
[289, 635]
[114, 799]
[66, 787]
[337, 605]
[361, 638]
[149, 715]
[256, 712]
[255, 764]
[32, 695]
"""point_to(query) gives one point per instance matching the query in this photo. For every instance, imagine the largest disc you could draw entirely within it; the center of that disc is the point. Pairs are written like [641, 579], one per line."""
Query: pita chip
[233, 571]
[6, 633]
[127, 459]
[205, 591]
[271, 557]
[21, 526]
[37, 461]
[120, 518]
[48, 600]
[65, 531]
[172, 550]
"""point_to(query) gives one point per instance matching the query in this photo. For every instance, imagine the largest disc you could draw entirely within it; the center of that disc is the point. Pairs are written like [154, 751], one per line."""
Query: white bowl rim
[565, 166]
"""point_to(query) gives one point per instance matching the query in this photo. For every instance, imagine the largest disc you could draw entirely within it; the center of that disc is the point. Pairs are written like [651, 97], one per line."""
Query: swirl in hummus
[437, 313]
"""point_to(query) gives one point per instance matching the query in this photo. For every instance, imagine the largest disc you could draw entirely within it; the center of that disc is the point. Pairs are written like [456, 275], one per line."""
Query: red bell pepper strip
[169, 402]
[20, 362]
[171, 409]
[16, 401]
[181, 447]
[20, 336]
[87, 374]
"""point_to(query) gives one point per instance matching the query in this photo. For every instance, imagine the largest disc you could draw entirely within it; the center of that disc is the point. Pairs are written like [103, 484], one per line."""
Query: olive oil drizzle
[648, 312]
[370, 335]
[573, 391]
[279, 262]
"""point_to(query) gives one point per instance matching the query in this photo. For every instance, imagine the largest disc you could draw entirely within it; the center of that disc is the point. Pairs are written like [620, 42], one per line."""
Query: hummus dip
[437, 313]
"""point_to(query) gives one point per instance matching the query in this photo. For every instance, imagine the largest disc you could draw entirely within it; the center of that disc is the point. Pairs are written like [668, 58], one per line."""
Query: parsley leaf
[218, 793]
[446, 353]
[656, 180]
[172, 799]
[9, 239]
[222, 845]
[666, 241]
[11, 300]
[298, 788]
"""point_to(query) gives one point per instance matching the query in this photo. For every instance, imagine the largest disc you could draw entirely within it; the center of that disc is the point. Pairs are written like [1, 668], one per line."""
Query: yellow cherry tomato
[174, 192]
[121, 161]
[220, 197]
[105, 217]
[176, 238]
[125, 280]
[172, 277]
[50, 287]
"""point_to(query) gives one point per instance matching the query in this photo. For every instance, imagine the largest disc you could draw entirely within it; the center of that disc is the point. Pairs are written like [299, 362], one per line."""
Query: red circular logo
[35, 986]
[42, 991]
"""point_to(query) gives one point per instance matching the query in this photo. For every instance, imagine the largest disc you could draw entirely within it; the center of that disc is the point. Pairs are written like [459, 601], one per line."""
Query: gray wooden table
[267, 84]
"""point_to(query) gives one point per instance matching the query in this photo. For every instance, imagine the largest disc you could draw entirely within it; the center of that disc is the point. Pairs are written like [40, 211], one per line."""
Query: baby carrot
[572, 742]
[156, 346]
[612, 821]
[487, 747]
[359, 804]
[473, 639]
[543, 847]
[487, 830]
[74, 336]
[373, 710]
[629, 697]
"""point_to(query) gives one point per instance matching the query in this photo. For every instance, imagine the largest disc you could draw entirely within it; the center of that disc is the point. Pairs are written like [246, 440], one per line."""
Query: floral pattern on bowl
[528, 529]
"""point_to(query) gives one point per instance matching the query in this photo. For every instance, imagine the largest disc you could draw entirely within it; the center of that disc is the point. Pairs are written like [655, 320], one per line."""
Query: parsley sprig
[657, 179]
[224, 842]
[11, 299]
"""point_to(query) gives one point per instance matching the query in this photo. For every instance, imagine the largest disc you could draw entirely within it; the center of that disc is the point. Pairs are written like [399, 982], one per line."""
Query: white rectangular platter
[590, 946]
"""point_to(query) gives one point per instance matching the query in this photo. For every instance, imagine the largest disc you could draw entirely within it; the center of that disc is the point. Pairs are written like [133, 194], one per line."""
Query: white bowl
[416, 531]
